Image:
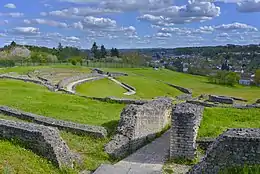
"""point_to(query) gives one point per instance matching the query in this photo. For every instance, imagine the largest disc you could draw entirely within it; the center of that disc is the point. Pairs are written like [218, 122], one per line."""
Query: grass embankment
[198, 84]
[15, 159]
[145, 88]
[37, 99]
[217, 120]
[101, 88]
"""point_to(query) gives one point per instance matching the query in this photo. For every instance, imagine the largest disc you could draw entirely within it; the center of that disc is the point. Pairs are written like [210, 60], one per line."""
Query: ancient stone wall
[221, 99]
[182, 89]
[139, 124]
[77, 128]
[186, 119]
[235, 147]
[44, 141]
[28, 79]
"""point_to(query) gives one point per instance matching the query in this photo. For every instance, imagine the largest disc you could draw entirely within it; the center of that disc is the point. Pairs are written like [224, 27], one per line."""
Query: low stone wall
[186, 119]
[221, 99]
[131, 87]
[139, 124]
[27, 79]
[44, 141]
[235, 147]
[182, 89]
[111, 74]
[201, 103]
[184, 97]
[96, 131]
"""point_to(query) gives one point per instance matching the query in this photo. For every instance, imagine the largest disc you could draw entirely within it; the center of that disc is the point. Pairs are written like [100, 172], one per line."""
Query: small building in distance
[246, 79]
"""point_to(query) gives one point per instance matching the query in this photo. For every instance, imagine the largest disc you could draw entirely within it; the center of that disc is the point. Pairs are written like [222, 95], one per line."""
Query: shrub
[224, 78]
[73, 62]
[6, 63]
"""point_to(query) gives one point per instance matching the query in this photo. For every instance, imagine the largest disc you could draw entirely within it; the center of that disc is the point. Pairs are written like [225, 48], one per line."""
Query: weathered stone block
[42, 140]
[221, 99]
[139, 124]
[235, 147]
[185, 123]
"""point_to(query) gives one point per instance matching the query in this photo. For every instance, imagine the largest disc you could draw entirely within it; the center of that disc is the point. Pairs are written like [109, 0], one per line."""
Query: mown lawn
[37, 99]
[217, 120]
[147, 88]
[15, 159]
[101, 88]
[198, 84]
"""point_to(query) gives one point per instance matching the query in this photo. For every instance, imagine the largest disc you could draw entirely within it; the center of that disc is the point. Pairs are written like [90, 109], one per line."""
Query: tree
[114, 52]
[103, 51]
[257, 77]
[13, 44]
[95, 51]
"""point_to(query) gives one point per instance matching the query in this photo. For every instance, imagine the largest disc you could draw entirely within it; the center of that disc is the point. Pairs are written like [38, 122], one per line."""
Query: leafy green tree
[257, 77]
[13, 44]
[103, 51]
[95, 51]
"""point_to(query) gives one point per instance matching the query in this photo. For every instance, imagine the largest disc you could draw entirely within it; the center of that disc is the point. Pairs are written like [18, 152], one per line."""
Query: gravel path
[147, 160]
[69, 87]
[130, 91]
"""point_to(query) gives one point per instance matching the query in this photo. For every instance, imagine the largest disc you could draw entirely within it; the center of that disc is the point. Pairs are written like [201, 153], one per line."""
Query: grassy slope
[148, 88]
[198, 84]
[217, 120]
[15, 159]
[101, 88]
[34, 98]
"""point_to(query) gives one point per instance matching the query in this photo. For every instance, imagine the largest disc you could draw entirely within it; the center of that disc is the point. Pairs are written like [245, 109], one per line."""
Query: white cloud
[163, 35]
[25, 31]
[79, 12]
[223, 35]
[236, 26]
[15, 15]
[72, 38]
[91, 22]
[193, 11]
[249, 6]
[46, 22]
[9, 5]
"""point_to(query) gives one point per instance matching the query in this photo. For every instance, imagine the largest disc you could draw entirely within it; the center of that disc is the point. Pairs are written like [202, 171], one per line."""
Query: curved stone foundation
[96, 131]
[42, 140]
[139, 124]
[235, 147]
[27, 79]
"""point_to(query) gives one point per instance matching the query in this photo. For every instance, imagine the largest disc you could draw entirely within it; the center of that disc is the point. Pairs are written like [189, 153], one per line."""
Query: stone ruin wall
[96, 131]
[235, 147]
[139, 124]
[186, 119]
[221, 99]
[44, 141]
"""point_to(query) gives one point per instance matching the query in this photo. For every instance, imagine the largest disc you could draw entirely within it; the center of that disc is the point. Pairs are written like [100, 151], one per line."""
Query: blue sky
[130, 23]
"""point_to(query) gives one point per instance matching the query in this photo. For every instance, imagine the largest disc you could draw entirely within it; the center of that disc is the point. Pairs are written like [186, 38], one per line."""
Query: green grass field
[15, 159]
[101, 88]
[37, 99]
[217, 120]
[198, 84]
[145, 88]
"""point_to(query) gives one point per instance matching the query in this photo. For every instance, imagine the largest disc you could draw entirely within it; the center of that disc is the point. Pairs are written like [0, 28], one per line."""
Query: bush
[224, 78]
[73, 62]
[6, 63]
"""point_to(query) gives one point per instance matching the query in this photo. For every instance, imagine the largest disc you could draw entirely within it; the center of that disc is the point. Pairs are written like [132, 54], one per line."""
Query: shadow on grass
[111, 127]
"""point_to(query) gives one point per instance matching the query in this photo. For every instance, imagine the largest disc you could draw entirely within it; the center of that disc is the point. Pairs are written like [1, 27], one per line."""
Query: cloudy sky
[130, 23]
